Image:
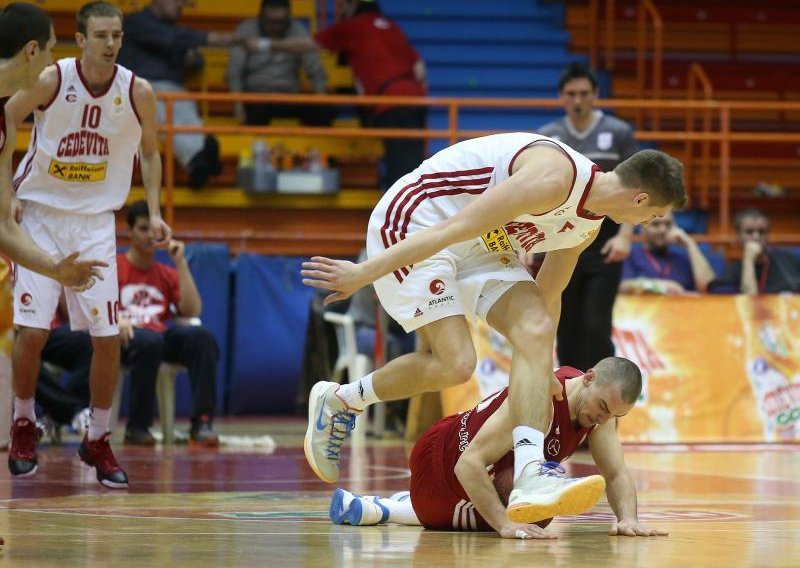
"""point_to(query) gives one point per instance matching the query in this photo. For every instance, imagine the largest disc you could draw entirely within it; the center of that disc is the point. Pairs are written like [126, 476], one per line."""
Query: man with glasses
[762, 269]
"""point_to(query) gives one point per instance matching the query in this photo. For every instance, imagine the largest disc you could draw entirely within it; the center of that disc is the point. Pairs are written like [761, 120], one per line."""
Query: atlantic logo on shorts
[437, 287]
[553, 447]
[26, 300]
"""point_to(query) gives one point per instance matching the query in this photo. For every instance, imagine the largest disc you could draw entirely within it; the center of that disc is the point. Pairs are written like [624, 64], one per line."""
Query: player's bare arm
[13, 240]
[150, 159]
[607, 454]
[540, 182]
[491, 443]
[555, 274]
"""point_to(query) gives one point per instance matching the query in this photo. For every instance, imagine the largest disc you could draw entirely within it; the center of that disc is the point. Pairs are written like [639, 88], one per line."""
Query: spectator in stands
[148, 290]
[157, 49]
[668, 262]
[70, 351]
[584, 331]
[762, 269]
[276, 72]
[383, 63]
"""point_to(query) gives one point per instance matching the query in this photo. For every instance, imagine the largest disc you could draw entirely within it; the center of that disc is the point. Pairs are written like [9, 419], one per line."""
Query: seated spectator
[667, 262]
[384, 63]
[762, 269]
[276, 72]
[65, 402]
[148, 289]
[157, 49]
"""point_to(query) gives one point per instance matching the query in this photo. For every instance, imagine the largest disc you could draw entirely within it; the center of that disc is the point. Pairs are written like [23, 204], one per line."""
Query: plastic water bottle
[314, 160]
[262, 166]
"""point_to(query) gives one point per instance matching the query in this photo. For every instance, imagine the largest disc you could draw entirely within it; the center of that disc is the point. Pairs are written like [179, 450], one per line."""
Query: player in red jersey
[461, 467]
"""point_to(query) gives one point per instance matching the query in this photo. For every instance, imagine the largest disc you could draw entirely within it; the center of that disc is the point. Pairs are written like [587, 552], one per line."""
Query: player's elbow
[464, 468]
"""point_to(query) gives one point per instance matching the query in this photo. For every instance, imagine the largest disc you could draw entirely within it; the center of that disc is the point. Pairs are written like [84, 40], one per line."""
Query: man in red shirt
[383, 63]
[148, 291]
[461, 467]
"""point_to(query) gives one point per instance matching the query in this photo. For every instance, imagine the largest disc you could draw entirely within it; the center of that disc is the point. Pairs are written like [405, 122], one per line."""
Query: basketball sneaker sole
[104, 482]
[578, 498]
[30, 473]
[313, 410]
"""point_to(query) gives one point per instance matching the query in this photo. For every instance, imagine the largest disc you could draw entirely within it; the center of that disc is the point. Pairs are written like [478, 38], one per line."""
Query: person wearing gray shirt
[276, 72]
[584, 331]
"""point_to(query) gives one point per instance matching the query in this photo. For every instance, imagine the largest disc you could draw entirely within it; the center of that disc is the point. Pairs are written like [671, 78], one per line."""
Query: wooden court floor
[724, 507]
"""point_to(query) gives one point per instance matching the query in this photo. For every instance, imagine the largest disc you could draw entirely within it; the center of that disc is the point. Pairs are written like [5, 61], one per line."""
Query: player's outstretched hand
[78, 275]
[525, 532]
[342, 277]
[634, 528]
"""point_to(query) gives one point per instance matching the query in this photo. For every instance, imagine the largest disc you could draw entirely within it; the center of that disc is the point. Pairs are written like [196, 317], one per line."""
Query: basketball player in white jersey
[26, 42]
[92, 118]
[443, 242]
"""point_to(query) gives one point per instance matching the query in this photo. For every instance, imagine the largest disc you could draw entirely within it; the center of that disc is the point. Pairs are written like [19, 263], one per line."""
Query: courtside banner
[716, 368]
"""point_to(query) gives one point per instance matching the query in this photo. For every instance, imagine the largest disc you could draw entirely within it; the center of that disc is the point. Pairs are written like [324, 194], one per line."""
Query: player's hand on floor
[79, 275]
[342, 277]
[525, 532]
[632, 528]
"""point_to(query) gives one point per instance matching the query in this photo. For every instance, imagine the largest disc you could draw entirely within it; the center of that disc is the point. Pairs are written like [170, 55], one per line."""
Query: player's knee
[459, 369]
[541, 331]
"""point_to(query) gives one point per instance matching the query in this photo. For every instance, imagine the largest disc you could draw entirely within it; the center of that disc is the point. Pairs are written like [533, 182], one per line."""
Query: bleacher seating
[516, 49]
[749, 51]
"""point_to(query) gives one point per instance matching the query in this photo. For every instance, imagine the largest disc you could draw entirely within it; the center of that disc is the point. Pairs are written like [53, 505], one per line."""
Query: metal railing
[714, 131]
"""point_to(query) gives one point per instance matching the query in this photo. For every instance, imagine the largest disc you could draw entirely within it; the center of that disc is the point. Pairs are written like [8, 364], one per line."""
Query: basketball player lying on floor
[461, 468]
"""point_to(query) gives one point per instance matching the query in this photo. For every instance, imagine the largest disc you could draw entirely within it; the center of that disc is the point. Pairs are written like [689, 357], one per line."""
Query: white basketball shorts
[59, 234]
[452, 282]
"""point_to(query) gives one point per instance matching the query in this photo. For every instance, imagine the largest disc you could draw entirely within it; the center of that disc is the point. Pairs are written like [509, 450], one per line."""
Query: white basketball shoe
[357, 510]
[544, 491]
[330, 422]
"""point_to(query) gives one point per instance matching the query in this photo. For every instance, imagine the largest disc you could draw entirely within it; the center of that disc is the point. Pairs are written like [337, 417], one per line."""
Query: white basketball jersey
[83, 146]
[450, 179]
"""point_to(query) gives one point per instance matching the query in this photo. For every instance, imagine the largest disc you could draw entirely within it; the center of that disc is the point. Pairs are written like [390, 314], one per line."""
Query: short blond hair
[657, 174]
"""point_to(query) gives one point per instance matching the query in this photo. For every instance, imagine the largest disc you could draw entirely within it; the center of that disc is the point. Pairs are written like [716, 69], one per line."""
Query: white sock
[98, 423]
[401, 511]
[528, 447]
[358, 395]
[24, 408]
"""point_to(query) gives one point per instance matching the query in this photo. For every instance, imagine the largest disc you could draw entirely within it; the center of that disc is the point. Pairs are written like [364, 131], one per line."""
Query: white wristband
[263, 44]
